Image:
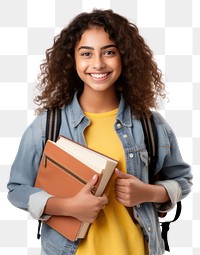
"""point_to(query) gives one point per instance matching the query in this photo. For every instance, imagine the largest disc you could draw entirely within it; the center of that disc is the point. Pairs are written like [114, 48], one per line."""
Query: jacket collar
[124, 115]
[76, 114]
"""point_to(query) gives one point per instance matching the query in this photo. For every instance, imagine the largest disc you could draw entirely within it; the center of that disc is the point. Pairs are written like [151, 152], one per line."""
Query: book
[66, 166]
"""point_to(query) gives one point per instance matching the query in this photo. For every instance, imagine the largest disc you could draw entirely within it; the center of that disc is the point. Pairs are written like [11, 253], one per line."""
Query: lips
[98, 75]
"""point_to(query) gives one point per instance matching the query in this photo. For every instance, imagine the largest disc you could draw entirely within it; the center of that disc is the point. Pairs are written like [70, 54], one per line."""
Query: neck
[99, 102]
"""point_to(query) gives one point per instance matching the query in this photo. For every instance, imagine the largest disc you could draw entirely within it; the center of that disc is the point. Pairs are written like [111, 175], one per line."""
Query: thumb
[91, 183]
[121, 174]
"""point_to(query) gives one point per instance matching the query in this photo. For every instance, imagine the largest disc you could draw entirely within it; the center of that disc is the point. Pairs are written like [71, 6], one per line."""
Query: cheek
[118, 67]
[81, 69]
[118, 64]
[81, 65]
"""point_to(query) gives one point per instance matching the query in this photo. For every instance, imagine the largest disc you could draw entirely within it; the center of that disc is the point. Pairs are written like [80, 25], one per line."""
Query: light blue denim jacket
[23, 195]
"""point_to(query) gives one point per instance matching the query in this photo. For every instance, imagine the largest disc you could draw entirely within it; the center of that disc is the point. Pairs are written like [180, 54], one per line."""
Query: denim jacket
[22, 193]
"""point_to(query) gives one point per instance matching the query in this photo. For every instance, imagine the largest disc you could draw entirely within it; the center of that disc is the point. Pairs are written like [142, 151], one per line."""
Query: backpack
[151, 141]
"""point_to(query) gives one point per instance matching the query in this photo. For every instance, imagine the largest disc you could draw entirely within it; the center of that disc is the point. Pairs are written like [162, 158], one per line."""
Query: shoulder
[160, 122]
[158, 118]
[166, 135]
[39, 123]
[35, 132]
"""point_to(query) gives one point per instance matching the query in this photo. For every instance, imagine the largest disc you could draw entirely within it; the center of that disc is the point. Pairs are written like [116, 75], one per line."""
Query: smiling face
[98, 61]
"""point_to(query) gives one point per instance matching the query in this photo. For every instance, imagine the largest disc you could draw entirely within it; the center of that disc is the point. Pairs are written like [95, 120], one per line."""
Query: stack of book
[65, 167]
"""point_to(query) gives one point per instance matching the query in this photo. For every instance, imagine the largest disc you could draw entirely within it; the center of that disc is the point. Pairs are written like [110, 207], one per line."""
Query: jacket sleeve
[175, 174]
[36, 205]
[25, 166]
[174, 192]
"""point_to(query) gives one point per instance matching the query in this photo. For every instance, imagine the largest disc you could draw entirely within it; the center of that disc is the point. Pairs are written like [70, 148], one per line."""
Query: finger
[91, 183]
[120, 182]
[105, 199]
[122, 200]
[121, 189]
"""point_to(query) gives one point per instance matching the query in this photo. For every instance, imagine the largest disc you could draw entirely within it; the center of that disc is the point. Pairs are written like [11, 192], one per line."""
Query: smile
[99, 75]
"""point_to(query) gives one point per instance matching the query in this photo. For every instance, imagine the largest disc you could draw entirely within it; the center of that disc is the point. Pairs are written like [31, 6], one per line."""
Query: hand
[85, 205]
[129, 190]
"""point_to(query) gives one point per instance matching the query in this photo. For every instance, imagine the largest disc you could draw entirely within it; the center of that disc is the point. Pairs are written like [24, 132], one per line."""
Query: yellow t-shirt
[113, 232]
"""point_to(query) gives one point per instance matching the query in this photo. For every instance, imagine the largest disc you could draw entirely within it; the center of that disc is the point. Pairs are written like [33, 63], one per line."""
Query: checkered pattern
[170, 27]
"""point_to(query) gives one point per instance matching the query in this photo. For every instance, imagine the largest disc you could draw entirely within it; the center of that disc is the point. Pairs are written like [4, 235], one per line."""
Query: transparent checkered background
[27, 28]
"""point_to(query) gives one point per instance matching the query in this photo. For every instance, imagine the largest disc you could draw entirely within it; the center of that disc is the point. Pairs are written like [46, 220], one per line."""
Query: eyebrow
[102, 48]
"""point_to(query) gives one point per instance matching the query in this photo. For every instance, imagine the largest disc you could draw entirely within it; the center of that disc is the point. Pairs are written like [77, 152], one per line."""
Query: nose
[98, 63]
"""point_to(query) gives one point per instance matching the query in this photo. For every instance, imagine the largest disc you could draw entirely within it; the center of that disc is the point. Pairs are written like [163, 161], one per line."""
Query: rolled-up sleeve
[174, 192]
[36, 205]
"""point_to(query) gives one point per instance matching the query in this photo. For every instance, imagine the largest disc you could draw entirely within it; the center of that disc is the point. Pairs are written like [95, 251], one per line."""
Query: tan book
[65, 167]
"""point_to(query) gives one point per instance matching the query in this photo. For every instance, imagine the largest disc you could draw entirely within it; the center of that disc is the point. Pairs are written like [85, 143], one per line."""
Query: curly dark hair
[140, 80]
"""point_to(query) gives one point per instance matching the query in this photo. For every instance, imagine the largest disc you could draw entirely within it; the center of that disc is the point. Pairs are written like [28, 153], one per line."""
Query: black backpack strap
[165, 225]
[151, 141]
[53, 123]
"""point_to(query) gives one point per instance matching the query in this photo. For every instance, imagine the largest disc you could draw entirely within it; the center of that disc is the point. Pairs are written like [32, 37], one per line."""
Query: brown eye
[86, 54]
[109, 52]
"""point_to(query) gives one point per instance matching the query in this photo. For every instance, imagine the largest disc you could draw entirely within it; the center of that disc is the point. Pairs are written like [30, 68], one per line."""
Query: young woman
[102, 75]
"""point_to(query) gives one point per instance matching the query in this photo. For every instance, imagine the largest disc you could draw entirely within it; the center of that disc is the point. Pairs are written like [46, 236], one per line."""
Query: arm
[37, 202]
[83, 206]
[176, 175]
[25, 166]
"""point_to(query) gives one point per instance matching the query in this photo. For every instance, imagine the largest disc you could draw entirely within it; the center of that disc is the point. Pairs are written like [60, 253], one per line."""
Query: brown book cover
[65, 168]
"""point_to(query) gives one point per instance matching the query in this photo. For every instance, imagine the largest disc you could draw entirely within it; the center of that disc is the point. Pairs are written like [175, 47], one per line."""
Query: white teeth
[98, 75]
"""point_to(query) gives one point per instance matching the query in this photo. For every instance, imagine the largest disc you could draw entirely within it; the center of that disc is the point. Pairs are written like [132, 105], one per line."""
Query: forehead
[95, 37]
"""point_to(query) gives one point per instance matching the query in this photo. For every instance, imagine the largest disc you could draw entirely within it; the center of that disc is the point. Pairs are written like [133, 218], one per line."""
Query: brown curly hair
[140, 80]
